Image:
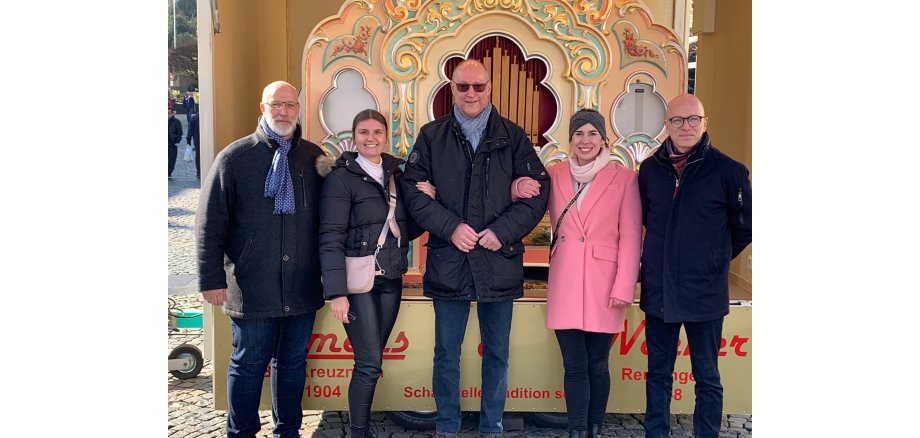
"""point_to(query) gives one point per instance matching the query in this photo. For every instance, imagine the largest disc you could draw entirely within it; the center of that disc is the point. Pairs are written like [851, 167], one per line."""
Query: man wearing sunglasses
[696, 208]
[475, 252]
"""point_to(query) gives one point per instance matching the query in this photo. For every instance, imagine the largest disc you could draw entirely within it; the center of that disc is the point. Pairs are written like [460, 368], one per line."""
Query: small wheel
[195, 361]
[418, 420]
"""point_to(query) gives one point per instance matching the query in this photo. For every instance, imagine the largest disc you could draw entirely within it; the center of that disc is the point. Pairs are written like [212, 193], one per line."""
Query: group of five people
[276, 216]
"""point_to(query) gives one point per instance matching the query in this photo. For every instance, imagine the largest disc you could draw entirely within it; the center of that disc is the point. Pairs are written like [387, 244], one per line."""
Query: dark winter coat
[269, 263]
[695, 225]
[175, 131]
[194, 133]
[474, 188]
[353, 209]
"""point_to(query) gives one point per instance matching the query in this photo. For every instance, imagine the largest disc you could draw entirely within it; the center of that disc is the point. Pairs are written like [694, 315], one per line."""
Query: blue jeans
[256, 343]
[450, 318]
[704, 339]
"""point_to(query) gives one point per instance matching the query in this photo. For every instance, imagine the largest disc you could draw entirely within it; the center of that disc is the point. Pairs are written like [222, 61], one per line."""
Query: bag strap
[387, 224]
[565, 210]
[390, 216]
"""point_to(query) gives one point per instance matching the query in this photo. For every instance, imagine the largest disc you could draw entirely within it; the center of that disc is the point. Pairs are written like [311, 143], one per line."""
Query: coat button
[285, 258]
[581, 239]
[363, 243]
[563, 238]
[287, 308]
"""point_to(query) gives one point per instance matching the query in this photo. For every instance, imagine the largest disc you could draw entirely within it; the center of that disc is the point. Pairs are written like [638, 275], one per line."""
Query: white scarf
[585, 174]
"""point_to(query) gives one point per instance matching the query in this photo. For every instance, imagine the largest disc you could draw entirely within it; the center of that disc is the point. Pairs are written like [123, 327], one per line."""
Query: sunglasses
[463, 88]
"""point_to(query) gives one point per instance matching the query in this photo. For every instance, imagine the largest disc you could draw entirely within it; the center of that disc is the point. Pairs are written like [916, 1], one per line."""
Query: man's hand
[464, 237]
[426, 188]
[216, 297]
[616, 302]
[488, 240]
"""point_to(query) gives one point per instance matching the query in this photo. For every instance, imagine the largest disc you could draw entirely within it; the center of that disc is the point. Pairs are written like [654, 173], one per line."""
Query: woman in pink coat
[594, 265]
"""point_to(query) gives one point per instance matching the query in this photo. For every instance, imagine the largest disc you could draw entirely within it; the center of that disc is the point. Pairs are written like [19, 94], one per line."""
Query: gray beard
[277, 129]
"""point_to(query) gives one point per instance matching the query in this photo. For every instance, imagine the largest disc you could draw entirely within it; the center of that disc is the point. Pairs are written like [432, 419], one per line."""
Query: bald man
[696, 208]
[475, 252]
[257, 243]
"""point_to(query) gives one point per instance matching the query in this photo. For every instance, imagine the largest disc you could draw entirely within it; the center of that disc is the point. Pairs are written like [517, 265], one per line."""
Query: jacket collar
[700, 149]
[495, 129]
[349, 160]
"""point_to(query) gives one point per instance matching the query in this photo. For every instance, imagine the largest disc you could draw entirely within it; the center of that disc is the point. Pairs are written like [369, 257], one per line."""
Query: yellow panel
[406, 380]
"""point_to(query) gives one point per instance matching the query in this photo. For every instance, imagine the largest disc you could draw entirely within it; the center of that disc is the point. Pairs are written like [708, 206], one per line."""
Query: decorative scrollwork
[579, 31]
[402, 118]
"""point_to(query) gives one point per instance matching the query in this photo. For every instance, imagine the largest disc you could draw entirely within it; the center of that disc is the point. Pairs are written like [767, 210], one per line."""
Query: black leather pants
[375, 314]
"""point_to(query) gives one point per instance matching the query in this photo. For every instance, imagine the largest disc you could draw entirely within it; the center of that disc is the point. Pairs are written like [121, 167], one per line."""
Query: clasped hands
[465, 238]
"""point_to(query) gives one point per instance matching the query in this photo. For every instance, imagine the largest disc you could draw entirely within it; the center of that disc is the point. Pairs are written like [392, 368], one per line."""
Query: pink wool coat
[597, 249]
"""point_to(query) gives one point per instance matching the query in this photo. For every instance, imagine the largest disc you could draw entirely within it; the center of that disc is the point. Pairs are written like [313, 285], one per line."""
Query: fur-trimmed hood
[324, 165]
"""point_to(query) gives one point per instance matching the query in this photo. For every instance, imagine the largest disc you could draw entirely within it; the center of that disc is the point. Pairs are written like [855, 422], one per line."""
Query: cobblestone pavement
[190, 412]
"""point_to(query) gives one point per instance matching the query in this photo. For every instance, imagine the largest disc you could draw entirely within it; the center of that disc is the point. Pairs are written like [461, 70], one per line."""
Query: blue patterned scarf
[473, 128]
[278, 183]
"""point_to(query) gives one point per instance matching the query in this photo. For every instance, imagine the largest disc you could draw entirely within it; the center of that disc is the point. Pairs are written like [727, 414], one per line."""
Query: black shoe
[367, 432]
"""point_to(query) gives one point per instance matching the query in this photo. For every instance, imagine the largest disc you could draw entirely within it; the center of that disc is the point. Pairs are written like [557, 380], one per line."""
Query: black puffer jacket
[269, 263]
[474, 188]
[353, 209]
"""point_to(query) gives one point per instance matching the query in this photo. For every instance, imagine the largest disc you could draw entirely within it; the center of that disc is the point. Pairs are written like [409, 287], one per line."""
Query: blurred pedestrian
[175, 137]
[194, 141]
[188, 103]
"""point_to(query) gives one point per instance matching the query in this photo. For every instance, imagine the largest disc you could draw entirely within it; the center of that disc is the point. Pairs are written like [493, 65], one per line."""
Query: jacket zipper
[303, 185]
[740, 204]
[486, 176]
[677, 178]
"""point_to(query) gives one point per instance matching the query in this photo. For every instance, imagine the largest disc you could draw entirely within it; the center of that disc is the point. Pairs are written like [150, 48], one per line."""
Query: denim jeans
[704, 339]
[585, 356]
[375, 314]
[450, 318]
[256, 343]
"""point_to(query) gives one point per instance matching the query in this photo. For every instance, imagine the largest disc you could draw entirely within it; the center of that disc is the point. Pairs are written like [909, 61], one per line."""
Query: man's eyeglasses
[278, 105]
[463, 88]
[677, 122]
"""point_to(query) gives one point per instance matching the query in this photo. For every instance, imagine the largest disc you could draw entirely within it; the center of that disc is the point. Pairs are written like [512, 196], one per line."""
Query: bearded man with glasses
[696, 208]
[258, 257]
